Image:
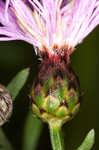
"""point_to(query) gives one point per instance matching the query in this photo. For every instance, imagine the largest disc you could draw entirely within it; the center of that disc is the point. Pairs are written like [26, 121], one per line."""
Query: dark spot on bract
[59, 73]
[72, 86]
[42, 111]
[64, 103]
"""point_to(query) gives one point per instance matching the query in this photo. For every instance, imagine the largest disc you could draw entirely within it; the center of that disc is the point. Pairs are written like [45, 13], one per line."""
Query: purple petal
[83, 20]
[48, 21]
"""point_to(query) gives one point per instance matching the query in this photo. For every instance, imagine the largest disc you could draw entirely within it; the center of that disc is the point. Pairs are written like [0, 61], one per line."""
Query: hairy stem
[56, 136]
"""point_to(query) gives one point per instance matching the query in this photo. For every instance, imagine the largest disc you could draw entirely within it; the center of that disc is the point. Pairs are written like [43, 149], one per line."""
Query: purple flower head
[48, 22]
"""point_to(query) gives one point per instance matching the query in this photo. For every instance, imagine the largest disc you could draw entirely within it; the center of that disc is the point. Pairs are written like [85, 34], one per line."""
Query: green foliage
[88, 141]
[18, 82]
[32, 131]
[4, 143]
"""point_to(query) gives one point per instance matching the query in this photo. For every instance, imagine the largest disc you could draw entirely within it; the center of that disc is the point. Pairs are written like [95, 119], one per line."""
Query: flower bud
[55, 92]
[5, 105]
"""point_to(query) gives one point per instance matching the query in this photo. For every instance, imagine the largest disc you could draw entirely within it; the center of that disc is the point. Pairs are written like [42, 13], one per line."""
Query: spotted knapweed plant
[54, 28]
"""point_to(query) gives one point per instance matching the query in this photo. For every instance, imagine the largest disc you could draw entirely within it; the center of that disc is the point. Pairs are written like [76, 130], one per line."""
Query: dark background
[17, 55]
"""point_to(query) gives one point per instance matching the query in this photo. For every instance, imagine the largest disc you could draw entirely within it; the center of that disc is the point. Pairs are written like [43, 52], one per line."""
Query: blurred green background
[17, 55]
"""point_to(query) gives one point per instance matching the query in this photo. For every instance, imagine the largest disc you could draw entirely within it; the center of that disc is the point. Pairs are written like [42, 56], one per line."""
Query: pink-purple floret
[80, 17]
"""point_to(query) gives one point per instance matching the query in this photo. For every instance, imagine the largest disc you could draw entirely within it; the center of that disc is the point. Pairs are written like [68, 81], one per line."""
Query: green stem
[56, 136]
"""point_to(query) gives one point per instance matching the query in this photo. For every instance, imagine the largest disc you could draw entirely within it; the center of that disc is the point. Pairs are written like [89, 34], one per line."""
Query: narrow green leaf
[88, 141]
[4, 143]
[18, 82]
[32, 131]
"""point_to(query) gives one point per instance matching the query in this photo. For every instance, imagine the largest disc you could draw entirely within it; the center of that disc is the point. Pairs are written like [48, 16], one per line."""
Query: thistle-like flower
[54, 28]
